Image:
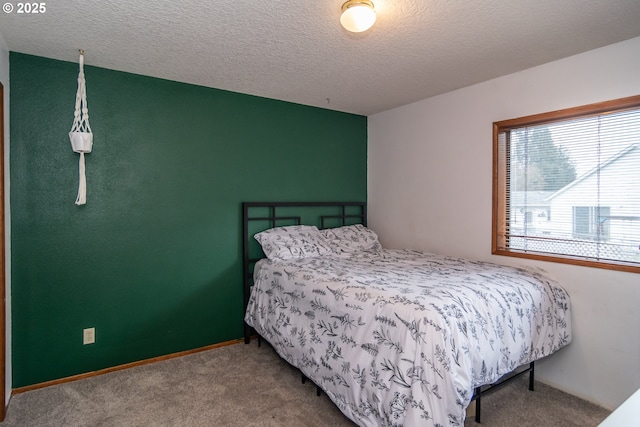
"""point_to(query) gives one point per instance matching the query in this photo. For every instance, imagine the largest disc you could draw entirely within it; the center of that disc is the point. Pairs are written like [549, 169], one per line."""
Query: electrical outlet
[89, 336]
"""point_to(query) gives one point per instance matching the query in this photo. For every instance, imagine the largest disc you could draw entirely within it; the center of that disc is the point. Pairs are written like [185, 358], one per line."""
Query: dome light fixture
[357, 15]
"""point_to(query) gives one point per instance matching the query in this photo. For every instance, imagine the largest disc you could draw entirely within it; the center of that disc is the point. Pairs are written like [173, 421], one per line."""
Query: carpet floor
[247, 385]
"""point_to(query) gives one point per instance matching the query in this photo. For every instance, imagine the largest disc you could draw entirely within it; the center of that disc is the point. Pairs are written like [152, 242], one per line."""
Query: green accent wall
[153, 260]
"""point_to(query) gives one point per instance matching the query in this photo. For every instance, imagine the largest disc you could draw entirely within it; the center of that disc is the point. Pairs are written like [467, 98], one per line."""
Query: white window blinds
[569, 186]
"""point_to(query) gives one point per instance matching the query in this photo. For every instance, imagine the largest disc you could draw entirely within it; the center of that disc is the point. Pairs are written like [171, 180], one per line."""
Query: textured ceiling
[297, 51]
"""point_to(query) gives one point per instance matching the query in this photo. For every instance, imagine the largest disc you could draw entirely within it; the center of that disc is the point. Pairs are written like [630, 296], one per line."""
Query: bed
[393, 337]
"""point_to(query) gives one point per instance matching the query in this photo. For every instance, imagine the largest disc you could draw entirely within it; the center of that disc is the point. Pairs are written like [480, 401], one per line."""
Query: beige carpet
[247, 385]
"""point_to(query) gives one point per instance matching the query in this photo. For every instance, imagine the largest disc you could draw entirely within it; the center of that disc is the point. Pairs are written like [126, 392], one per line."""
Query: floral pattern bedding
[400, 337]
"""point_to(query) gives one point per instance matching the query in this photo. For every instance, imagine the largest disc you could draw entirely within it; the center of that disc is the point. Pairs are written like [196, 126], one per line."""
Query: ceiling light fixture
[357, 15]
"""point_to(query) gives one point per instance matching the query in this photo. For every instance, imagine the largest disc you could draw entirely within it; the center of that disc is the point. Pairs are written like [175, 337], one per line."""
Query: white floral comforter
[400, 337]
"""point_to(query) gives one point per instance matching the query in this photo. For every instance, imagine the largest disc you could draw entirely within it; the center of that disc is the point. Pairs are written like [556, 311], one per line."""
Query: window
[591, 222]
[581, 168]
[528, 217]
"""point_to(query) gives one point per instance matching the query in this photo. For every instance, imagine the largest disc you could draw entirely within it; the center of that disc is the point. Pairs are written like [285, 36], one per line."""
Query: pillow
[351, 238]
[296, 241]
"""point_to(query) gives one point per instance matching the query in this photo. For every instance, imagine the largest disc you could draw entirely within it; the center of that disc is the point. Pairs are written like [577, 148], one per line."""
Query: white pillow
[351, 238]
[296, 241]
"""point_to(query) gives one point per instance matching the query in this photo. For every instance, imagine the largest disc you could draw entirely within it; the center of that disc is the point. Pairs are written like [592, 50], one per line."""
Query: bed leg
[247, 334]
[304, 379]
[259, 341]
[318, 391]
[532, 367]
[478, 399]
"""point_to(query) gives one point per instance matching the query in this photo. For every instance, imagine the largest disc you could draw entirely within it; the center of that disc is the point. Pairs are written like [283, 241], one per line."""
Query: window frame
[499, 212]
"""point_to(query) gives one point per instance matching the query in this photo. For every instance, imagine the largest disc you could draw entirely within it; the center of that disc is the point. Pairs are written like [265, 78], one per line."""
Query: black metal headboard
[259, 216]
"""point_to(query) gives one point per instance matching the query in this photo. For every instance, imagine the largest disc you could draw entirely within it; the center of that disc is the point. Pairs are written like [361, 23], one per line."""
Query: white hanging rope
[81, 199]
[80, 135]
[81, 114]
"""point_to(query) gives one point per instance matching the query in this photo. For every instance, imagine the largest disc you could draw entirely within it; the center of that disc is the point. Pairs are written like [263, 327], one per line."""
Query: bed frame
[323, 215]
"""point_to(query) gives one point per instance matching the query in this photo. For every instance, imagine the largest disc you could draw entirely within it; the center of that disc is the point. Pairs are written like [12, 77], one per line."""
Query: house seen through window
[567, 186]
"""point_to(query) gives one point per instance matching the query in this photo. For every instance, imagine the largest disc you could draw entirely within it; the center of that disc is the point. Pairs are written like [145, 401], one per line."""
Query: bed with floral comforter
[400, 337]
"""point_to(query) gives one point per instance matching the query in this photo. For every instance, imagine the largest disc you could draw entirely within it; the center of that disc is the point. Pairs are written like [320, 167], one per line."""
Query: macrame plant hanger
[80, 135]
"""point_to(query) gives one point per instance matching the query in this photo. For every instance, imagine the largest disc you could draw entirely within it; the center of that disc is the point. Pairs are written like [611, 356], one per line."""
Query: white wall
[430, 176]
[4, 79]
